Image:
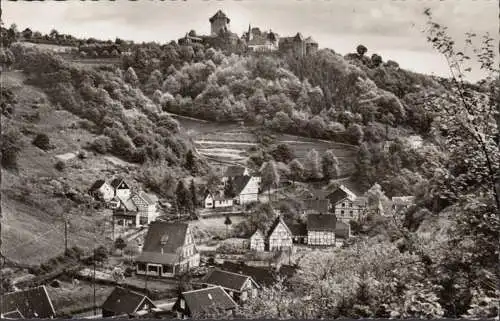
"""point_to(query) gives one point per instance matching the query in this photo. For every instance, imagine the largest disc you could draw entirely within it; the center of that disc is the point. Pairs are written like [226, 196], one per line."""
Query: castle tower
[219, 22]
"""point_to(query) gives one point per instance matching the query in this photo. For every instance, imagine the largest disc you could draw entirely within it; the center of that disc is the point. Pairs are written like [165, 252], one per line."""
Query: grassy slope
[32, 225]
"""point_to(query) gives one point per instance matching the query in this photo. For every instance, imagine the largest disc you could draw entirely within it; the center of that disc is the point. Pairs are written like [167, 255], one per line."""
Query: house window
[351, 212]
[342, 212]
[141, 267]
[182, 304]
[152, 268]
[243, 296]
[168, 269]
[343, 204]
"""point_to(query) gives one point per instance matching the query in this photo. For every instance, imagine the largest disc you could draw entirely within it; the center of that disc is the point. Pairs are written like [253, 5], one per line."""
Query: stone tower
[219, 22]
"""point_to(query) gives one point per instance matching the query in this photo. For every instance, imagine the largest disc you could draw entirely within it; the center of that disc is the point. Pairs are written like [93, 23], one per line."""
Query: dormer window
[209, 296]
[164, 239]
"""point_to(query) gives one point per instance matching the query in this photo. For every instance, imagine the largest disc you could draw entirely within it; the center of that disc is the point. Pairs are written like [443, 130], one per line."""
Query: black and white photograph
[250, 159]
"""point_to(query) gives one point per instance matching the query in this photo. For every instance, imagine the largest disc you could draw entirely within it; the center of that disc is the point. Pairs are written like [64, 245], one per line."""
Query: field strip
[224, 142]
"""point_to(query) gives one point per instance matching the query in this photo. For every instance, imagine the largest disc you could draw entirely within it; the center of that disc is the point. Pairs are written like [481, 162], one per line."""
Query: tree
[296, 170]
[131, 77]
[270, 176]
[42, 141]
[120, 244]
[182, 197]
[227, 222]
[53, 34]
[190, 161]
[376, 60]
[283, 153]
[361, 50]
[192, 191]
[330, 165]
[312, 165]
[229, 191]
[11, 144]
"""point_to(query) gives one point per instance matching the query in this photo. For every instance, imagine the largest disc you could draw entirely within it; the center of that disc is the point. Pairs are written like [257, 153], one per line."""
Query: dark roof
[337, 196]
[298, 229]
[97, 185]
[233, 171]
[150, 199]
[298, 36]
[200, 301]
[310, 40]
[228, 280]
[342, 230]
[321, 222]
[30, 303]
[318, 205]
[123, 301]
[239, 183]
[127, 205]
[163, 235]
[13, 315]
[219, 14]
[262, 276]
[115, 182]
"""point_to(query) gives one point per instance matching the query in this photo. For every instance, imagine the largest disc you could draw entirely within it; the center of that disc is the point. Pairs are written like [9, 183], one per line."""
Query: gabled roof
[219, 15]
[341, 193]
[13, 315]
[258, 233]
[263, 276]
[234, 171]
[162, 242]
[227, 280]
[318, 205]
[298, 229]
[200, 301]
[240, 182]
[127, 204]
[321, 222]
[30, 303]
[124, 301]
[298, 36]
[310, 40]
[276, 222]
[97, 184]
[150, 199]
[117, 181]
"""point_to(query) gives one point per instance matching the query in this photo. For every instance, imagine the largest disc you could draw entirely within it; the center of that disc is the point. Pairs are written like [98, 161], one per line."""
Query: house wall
[251, 192]
[280, 238]
[217, 25]
[257, 243]
[223, 203]
[320, 237]
[209, 202]
[124, 193]
[346, 210]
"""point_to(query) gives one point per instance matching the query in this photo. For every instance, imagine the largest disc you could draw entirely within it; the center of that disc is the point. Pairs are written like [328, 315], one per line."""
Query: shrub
[60, 166]
[10, 144]
[102, 144]
[42, 141]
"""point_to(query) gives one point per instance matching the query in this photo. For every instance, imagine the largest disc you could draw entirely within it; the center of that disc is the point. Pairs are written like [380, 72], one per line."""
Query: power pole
[93, 281]
[65, 236]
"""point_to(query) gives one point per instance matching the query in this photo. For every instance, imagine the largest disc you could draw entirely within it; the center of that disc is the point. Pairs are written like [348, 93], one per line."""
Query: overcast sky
[391, 28]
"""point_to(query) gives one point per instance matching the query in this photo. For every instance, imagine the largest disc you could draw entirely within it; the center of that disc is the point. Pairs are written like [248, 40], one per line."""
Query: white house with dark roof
[240, 287]
[102, 191]
[258, 241]
[125, 303]
[217, 200]
[203, 303]
[326, 230]
[33, 303]
[169, 250]
[121, 188]
[246, 189]
[346, 205]
[147, 207]
[234, 171]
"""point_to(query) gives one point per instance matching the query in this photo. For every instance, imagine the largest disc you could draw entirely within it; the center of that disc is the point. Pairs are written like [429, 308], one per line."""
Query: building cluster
[245, 189]
[130, 209]
[254, 39]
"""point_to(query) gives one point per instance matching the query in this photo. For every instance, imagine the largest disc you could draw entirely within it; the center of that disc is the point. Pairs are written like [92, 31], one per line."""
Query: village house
[125, 303]
[246, 189]
[33, 303]
[299, 232]
[203, 302]
[147, 207]
[346, 205]
[120, 188]
[326, 230]
[258, 241]
[213, 200]
[101, 191]
[321, 229]
[240, 287]
[263, 276]
[168, 250]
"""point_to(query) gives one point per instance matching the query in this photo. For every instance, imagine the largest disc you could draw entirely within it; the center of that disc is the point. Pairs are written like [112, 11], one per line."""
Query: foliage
[270, 176]
[42, 141]
[296, 170]
[330, 165]
[312, 165]
[120, 244]
[183, 198]
[11, 144]
[60, 166]
[229, 191]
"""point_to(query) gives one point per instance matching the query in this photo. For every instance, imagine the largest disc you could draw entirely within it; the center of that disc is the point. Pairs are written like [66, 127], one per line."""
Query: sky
[390, 28]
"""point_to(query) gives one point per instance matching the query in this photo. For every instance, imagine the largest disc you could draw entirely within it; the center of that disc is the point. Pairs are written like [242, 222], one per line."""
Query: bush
[42, 141]
[60, 166]
[102, 144]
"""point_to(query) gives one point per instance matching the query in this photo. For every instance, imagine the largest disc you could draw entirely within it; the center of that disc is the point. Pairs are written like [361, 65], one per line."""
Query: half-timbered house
[240, 287]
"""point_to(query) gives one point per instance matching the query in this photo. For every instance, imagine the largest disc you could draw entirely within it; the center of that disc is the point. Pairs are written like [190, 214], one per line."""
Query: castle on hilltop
[253, 40]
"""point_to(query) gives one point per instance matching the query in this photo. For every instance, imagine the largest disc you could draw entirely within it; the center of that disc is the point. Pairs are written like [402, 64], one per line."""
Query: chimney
[162, 251]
